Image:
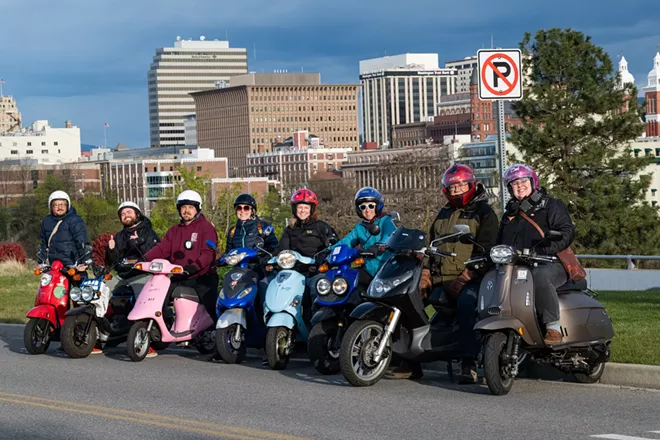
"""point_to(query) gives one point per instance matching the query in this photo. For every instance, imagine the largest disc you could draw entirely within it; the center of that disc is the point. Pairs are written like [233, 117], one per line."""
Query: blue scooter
[239, 325]
[283, 306]
[337, 296]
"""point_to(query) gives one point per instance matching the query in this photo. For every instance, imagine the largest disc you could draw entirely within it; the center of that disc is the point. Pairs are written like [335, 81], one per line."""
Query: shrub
[99, 249]
[12, 251]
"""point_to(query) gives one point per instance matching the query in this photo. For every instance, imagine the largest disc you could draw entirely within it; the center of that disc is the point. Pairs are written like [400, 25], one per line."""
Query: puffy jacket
[185, 245]
[549, 213]
[244, 234]
[481, 219]
[132, 249]
[361, 236]
[67, 244]
[308, 239]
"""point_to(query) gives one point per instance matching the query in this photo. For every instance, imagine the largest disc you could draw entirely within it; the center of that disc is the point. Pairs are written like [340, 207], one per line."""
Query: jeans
[467, 318]
[546, 280]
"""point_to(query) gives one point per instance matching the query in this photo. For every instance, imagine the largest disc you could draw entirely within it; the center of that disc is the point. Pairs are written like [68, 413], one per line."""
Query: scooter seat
[572, 286]
[185, 293]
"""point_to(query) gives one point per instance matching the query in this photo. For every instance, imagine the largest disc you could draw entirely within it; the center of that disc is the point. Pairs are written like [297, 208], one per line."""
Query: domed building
[652, 91]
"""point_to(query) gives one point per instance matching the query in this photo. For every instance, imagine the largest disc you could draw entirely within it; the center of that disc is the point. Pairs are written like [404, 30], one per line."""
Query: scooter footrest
[182, 334]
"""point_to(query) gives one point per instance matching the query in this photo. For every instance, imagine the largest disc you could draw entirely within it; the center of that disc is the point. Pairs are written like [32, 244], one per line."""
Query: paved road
[181, 395]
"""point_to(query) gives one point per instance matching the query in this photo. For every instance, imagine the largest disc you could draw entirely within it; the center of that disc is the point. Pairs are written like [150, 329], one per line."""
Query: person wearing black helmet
[249, 226]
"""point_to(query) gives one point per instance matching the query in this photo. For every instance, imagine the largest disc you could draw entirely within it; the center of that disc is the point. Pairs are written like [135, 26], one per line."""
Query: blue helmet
[368, 194]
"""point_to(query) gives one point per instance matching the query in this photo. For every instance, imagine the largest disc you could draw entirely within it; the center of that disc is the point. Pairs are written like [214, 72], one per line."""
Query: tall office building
[175, 72]
[401, 89]
[10, 117]
[464, 70]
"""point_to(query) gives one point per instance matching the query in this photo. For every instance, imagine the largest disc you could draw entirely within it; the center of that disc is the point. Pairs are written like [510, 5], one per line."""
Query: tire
[36, 335]
[226, 348]
[318, 349]
[352, 353]
[205, 342]
[593, 376]
[137, 341]
[160, 345]
[74, 342]
[277, 358]
[495, 344]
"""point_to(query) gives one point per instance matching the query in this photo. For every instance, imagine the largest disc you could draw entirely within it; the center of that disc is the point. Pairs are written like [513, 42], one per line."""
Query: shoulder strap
[231, 233]
[259, 228]
[57, 226]
[533, 223]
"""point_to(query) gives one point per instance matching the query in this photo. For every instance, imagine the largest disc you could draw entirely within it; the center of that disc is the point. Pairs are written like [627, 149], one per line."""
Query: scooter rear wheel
[593, 376]
[498, 382]
[356, 353]
[36, 335]
[229, 350]
[74, 342]
[277, 351]
[137, 341]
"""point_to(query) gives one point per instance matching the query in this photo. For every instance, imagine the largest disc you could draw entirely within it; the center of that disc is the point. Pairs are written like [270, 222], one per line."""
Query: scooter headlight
[75, 294]
[87, 293]
[156, 267]
[233, 260]
[323, 286]
[244, 293]
[46, 278]
[286, 260]
[340, 286]
[221, 295]
[502, 254]
[380, 286]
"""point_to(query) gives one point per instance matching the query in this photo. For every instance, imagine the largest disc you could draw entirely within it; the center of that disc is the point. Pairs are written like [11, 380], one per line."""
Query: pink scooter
[191, 320]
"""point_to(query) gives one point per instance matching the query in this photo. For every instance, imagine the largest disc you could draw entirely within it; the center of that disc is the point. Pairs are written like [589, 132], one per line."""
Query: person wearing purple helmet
[548, 213]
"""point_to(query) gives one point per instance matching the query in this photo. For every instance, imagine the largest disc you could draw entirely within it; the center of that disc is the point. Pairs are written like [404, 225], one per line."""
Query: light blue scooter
[283, 306]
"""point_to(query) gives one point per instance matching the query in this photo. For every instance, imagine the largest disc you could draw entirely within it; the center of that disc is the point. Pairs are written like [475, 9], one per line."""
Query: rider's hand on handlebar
[81, 268]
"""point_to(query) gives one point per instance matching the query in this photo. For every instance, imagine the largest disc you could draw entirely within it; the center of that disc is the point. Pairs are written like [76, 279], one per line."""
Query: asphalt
[181, 395]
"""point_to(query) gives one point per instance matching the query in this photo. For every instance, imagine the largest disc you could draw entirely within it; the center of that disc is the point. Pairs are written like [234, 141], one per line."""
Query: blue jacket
[67, 245]
[245, 234]
[361, 236]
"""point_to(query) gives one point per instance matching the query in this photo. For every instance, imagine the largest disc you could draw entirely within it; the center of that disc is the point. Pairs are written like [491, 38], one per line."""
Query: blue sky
[87, 61]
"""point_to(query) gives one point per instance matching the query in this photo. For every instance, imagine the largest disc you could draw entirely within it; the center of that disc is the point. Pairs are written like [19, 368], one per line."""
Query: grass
[636, 315]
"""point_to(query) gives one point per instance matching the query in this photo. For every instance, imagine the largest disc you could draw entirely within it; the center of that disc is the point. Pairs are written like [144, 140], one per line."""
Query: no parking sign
[500, 74]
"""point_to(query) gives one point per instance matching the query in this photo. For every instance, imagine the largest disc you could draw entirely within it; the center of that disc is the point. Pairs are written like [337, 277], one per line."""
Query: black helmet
[246, 199]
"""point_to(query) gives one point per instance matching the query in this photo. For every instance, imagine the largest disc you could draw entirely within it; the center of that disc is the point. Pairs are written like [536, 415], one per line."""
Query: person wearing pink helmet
[530, 200]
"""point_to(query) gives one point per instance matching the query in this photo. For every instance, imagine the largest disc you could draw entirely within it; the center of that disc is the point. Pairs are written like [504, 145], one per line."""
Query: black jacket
[68, 243]
[549, 213]
[246, 232]
[306, 238]
[132, 249]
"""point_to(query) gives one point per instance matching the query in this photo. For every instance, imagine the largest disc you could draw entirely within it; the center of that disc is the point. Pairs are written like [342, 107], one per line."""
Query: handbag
[567, 257]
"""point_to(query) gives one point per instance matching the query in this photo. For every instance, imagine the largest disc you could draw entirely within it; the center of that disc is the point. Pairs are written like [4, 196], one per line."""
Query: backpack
[232, 231]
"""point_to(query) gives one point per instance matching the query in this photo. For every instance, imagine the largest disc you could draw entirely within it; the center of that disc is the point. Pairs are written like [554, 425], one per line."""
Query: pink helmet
[521, 171]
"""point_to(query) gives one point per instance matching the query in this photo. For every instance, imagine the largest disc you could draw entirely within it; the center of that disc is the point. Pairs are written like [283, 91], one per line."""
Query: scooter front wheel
[227, 347]
[497, 378]
[137, 341]
[205, 342]
[277, 347]
[357, 351]
[36, 335]
[75, 342]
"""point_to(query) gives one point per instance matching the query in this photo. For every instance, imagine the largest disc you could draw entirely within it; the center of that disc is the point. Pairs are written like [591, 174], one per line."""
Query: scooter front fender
[323, 315]
[231, 317]
[281, 320]
[44, 311]
[373, 311]
[496, 323]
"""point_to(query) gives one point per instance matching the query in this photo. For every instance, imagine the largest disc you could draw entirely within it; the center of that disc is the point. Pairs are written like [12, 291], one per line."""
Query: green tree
[576, 134]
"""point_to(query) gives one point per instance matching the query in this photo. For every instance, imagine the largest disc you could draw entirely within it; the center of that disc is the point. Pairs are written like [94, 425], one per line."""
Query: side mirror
[396, 218]
[212, 245]
[259, 242]
[467, 238]
[269, 230]
[373, 228]
[332, 241]
[463, 229]
[555, 235]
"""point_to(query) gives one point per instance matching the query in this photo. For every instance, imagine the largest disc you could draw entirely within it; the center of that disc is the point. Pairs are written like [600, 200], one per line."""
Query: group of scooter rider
[63, 236]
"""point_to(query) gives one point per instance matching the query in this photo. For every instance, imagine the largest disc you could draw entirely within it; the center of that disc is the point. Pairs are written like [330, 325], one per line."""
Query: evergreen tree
[576, 135]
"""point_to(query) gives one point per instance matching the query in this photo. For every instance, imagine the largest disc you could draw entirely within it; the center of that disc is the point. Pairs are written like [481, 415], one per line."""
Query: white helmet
[131, 205]
[59, 195]
[189, 197]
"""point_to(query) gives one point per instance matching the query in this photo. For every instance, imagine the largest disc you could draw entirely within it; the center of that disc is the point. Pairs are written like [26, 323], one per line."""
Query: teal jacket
[361, 236]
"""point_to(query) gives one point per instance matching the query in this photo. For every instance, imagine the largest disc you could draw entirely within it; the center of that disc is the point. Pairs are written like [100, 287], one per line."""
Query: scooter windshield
[407, 239]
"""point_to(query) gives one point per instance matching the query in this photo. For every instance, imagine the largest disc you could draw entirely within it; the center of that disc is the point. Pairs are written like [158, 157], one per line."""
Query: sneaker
[151, 353]
[468, 372]
[97, 350]
[409, 370]
[552, 337]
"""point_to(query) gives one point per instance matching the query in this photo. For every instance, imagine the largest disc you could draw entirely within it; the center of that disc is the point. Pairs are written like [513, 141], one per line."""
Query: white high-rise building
[175, 72]
[42, 143]
[401, 89]
[464, 68]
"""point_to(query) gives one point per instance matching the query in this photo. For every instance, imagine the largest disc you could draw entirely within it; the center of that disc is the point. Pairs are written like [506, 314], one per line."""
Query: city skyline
[91, 66]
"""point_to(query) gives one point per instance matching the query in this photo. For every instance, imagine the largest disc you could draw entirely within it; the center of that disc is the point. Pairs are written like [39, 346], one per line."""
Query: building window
[29, 144]
[43, 144]
[55, 143]
[14, 151]
[199, 168]
[28, 152]
[44, 151]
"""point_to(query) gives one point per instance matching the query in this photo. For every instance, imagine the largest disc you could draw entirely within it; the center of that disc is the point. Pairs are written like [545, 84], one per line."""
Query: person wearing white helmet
[185, 244]
[63, 233]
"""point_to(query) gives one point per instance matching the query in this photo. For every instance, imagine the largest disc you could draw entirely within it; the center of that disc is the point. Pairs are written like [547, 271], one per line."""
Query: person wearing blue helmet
[375, 227]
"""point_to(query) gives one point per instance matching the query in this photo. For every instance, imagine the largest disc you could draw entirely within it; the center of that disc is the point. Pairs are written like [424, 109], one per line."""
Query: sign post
[500, 79]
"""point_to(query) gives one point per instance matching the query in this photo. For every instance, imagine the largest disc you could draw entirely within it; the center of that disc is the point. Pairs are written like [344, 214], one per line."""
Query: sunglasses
[367, 206]
[243, 208]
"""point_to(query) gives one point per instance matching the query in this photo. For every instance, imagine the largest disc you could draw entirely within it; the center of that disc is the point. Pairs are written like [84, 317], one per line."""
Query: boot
[552, 337]
[407, 370]
[468, 372]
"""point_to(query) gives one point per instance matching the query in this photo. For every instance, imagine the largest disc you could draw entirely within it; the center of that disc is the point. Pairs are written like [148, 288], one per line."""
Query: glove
[425, 283]
[190, 268]
[373, 250]
[457, 285]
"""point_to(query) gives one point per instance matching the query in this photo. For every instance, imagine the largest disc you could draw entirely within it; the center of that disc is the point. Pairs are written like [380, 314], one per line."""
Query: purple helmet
[520, 171]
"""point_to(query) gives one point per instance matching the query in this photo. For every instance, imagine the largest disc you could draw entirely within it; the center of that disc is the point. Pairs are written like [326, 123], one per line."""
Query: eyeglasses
[243, 208]
[367, 206]
[459, 186]
[60, 205]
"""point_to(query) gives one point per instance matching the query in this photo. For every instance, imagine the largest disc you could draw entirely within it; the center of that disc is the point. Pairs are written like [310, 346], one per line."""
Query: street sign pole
[501, 144]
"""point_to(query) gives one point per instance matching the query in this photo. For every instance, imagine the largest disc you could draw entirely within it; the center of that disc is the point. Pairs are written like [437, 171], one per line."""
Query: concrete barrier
[622, 279]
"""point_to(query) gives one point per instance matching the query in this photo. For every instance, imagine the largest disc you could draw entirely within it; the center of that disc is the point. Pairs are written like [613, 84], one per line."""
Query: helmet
[459, 173]
[305, 196]
[521, 171]
[189, 197]
[58, 195]
[368, 194]
[131, 205]
[245, 199]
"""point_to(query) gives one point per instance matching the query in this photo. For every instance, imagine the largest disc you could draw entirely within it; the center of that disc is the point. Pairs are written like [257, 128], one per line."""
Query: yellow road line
[234, 432]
